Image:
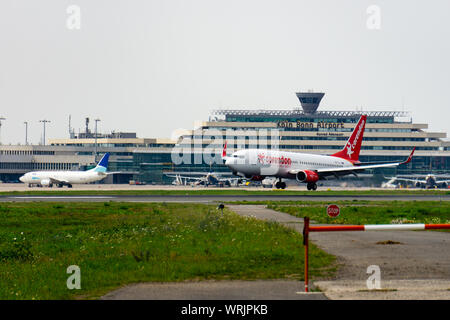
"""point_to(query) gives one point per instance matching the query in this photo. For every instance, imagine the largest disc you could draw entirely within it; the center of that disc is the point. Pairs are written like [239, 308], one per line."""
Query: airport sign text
[310, 125]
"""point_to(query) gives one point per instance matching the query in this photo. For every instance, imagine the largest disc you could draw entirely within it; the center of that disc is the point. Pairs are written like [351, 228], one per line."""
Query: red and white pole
[306, 244]
[369, 227]
[381, 227]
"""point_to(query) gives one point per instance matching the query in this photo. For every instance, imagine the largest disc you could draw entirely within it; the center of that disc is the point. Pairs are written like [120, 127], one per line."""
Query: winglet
[410, 157]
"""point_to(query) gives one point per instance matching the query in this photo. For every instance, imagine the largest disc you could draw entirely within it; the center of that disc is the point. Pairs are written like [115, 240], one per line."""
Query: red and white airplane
[257, 164]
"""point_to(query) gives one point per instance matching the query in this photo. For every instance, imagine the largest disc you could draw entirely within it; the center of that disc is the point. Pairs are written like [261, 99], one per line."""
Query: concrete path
[390, 290]
[215, 290]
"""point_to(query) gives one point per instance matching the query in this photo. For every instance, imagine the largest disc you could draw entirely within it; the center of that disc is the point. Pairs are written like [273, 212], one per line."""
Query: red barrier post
[371, 227]
[306, 244]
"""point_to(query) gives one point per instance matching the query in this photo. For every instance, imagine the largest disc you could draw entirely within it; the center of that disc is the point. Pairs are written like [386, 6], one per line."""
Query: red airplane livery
[303, 167]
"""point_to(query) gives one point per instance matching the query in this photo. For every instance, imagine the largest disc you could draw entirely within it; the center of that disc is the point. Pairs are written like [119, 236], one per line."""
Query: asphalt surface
[219, 198]
[428, 289]
[21, 187]
[216, 290]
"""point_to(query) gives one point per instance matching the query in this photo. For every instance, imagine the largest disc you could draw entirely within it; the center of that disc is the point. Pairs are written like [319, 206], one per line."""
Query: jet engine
[45, 182]
[307, 176]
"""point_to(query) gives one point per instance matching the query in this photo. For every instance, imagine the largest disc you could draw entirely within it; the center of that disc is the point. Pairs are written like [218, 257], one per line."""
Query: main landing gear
[311, 186]
[60, 185]
[280, 185]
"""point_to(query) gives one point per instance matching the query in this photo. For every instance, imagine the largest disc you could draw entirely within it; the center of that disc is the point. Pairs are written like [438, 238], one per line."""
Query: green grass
[115, 244]
[231, 192]
[370, 212]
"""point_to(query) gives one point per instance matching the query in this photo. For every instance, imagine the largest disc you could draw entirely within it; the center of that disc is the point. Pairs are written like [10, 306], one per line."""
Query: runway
[218, 198]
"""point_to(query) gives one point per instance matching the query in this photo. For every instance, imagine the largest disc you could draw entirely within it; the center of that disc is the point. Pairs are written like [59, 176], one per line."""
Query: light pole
[1, 118]
[44, 122]
[26, 132]
[95, 156]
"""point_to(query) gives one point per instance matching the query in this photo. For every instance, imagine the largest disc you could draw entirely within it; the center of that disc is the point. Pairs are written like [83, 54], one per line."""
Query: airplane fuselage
[60, 178]
[264, 162]
[70, 177]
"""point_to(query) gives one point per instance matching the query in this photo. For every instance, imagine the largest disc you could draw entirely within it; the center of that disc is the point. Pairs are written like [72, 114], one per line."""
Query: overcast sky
[157, 65]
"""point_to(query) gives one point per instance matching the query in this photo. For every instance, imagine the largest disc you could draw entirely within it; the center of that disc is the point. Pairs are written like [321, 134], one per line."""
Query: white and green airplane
[61, 178]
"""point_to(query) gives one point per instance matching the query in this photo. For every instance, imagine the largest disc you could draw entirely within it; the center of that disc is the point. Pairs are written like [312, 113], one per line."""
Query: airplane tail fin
[353, 146]
[102, 165]
[224, 151]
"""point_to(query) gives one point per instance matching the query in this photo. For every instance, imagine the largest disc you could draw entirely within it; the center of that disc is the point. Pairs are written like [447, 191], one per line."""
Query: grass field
[370, 212]
[121, 243]
[204, 191]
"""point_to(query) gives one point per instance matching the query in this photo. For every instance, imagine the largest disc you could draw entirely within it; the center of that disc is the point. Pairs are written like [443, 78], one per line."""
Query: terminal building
[389, 136]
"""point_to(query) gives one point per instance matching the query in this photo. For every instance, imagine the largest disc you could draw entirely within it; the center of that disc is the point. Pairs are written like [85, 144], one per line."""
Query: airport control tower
[310, 101]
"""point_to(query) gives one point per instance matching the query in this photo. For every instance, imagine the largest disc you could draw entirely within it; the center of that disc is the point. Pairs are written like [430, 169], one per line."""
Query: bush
[19, 250]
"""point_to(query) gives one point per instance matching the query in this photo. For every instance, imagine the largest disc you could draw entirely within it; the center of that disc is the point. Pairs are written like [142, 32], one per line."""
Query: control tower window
[309, 100]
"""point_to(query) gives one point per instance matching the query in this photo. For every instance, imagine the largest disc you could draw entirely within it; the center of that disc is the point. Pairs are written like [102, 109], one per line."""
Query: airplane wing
[58, 181]
[411, 180]
[232, 178]
[200, 174]
[340, 171]
[352, 170]
[185, 177]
